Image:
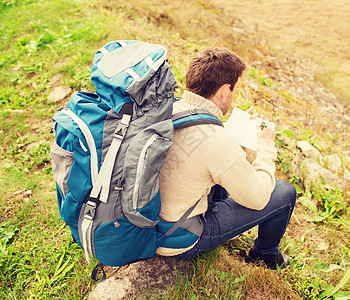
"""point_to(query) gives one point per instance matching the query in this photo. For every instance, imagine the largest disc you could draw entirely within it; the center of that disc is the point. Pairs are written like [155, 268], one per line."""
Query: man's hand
[266, 129]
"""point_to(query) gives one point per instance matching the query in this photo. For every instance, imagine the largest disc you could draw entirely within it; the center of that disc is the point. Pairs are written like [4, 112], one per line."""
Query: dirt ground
[319, 29]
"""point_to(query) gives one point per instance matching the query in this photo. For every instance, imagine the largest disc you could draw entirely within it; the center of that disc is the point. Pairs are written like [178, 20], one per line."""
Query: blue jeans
[231, 219]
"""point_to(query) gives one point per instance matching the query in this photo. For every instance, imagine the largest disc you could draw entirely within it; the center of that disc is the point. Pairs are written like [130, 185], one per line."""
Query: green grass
[42, 38]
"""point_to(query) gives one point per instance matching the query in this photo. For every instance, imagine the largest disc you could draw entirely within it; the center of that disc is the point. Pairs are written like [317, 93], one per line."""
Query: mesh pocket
[62, 161]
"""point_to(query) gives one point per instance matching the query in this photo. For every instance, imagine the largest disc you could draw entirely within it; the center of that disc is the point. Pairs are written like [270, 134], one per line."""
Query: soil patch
[317, 29]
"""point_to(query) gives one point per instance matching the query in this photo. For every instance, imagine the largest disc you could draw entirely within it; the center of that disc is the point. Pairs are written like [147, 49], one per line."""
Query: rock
[31, 147]
[112, 288]
[253, 86]
[333, 162]
[346, 175]
[56, 79]
[27, 193]
[258, 53]
[307, 149]
[14, 110]
[311, 171]
[156, 274]
[278, 48]
[60, 93]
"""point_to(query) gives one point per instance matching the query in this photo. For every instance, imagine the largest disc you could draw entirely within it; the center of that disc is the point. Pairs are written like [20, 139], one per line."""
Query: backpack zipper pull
[119, 188]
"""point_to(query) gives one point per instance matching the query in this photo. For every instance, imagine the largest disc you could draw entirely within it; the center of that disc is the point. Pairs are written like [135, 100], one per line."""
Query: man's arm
[249, 185]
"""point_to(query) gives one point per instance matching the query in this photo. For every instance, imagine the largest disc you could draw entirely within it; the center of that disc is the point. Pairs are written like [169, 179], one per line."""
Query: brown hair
[211, 69]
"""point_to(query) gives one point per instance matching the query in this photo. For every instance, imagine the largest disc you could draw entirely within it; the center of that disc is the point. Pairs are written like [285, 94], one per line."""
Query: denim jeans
[230, 219]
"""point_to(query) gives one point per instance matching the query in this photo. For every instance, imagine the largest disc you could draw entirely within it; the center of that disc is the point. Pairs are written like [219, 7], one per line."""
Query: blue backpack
[109, 149]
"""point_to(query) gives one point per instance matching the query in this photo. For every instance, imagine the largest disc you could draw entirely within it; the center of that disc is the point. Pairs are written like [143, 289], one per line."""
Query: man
[206, 156]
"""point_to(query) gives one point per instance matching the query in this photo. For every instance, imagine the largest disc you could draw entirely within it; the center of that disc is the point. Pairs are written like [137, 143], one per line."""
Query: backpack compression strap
[103, 179]
[193, 117]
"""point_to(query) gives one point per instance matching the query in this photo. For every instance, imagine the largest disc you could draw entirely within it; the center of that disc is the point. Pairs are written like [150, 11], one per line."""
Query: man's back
[202, 156]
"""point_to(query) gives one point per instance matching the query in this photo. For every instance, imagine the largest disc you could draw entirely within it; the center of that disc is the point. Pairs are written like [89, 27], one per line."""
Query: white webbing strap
[149, 61]
[122, 43]
[104, 51]
[86, 227]
[132, 73]
[89, 140]
[103, 180]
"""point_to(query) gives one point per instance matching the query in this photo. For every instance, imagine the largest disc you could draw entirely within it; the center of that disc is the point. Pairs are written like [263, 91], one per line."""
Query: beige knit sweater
[205, 155]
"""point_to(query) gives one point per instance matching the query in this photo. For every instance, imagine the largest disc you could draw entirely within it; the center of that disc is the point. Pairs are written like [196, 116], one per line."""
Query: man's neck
[199, 101]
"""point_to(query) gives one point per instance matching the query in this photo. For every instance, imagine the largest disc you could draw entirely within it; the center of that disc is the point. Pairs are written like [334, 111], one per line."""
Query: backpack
[108, 150]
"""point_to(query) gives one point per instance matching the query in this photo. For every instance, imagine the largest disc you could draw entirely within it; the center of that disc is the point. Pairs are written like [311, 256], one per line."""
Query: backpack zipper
[119, 188]
[139, 169]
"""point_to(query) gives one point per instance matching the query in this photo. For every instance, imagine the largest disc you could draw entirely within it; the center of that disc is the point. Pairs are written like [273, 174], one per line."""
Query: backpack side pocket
[62, 161]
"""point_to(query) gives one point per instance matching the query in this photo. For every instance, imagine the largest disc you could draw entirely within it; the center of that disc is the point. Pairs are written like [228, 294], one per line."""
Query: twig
[296, 219]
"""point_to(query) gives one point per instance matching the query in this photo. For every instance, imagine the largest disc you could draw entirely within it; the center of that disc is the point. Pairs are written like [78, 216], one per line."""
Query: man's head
[213, 69]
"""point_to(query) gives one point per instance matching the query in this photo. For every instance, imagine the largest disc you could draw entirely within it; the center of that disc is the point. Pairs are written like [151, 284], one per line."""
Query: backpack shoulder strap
[186, 119]
[194, 117]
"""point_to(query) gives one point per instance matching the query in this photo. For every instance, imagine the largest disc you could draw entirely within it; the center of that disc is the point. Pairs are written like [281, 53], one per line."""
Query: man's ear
[220, 94]
[223, 90]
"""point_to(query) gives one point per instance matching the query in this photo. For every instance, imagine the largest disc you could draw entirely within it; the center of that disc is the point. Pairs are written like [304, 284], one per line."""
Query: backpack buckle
[90, 209]
[122, 127]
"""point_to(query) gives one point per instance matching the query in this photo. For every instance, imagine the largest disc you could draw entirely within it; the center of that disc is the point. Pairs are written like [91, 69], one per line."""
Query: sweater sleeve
[250, 185]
